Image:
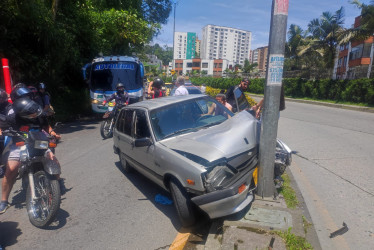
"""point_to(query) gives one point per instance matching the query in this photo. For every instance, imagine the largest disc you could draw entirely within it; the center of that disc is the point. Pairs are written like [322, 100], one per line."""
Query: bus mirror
[86, 71]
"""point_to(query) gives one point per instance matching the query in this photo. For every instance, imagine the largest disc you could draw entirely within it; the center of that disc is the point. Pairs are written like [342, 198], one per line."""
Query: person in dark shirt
[230, 97]
[24, 111]
[121, 97]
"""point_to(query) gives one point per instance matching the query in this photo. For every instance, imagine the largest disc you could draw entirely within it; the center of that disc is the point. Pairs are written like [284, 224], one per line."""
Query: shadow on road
[60, 220]
[9, 232]
[150, 190]
[76, 126]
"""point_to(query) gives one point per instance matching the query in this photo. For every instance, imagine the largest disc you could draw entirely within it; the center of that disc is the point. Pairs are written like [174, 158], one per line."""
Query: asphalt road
[102, 207]
[333, 167]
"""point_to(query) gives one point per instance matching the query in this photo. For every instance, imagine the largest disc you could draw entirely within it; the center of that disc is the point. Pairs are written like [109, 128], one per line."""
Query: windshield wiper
[179, 132]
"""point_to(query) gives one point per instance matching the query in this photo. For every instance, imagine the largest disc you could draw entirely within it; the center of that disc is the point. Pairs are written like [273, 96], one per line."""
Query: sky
[251, 15]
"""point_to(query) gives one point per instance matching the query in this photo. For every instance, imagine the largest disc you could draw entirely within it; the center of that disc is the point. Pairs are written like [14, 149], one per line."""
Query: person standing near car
[243, 86]
[181, 89]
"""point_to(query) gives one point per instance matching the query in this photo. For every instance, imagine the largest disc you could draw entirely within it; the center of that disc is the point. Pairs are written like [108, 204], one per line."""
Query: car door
[124, 136]
[145, 155]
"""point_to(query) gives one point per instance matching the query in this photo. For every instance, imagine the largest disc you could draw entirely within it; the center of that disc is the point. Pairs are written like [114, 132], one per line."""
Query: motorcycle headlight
[218, 177]
[41, 144]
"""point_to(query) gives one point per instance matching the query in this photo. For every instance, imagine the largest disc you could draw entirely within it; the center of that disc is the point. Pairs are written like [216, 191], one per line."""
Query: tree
[249, 67]
[366, 27]
[325, 34]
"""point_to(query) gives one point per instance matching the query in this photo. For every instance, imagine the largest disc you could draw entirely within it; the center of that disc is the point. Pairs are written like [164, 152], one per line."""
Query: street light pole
[175, 8]
[274, 75]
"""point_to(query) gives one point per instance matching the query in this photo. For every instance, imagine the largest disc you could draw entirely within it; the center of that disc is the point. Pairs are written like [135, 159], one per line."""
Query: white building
[184, 45]
[221, 42]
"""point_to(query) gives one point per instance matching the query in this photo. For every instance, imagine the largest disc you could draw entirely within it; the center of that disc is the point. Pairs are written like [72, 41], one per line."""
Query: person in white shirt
[181, 89]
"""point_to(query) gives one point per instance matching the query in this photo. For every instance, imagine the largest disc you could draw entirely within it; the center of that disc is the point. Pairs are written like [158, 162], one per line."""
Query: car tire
[124, 165]
[182, 203]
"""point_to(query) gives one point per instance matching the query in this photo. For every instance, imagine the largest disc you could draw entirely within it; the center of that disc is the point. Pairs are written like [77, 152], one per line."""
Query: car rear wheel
[182, 203]
[125, 166]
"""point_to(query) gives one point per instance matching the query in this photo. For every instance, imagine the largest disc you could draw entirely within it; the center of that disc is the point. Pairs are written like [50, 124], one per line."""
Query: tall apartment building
[355, 59]
[198, 47]
[184, 45]
[260, 56]
[221, 42]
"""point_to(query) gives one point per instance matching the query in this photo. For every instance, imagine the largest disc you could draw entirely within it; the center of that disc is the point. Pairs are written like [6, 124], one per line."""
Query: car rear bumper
[228, 201]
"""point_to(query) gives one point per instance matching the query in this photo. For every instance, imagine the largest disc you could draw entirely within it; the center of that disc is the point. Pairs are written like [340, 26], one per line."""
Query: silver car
[193, 147]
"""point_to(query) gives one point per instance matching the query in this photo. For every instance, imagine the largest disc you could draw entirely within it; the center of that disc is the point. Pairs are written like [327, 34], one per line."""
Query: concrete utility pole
[269, 127]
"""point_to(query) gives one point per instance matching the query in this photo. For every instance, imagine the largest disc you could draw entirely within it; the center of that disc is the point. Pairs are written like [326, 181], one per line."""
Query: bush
[357, 91]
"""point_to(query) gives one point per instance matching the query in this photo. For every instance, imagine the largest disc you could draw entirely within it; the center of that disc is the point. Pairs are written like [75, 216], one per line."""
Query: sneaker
[4, 205]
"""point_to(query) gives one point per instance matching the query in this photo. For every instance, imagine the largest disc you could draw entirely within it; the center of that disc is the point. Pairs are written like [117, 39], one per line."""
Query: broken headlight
[218, 177]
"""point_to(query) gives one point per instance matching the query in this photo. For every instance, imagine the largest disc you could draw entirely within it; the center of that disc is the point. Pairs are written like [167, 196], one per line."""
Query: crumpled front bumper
[227, 201]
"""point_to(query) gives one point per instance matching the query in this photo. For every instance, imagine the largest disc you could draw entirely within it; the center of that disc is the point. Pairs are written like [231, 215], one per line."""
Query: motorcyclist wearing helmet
[43, 98]
[24, 111]
[5, 107]
[121, 97]
[154, 88]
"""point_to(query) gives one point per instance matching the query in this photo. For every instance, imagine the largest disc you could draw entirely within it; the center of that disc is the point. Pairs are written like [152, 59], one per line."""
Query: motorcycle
[106, 127]
[39, 173]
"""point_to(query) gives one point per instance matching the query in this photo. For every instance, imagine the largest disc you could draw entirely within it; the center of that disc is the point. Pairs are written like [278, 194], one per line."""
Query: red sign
[281, 7]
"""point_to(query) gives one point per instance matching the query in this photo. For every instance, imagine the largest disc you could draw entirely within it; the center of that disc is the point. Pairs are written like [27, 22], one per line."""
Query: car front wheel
[182, 203]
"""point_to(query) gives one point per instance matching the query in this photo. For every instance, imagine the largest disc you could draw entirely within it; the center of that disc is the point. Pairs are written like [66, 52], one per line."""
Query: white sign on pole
[275, 71]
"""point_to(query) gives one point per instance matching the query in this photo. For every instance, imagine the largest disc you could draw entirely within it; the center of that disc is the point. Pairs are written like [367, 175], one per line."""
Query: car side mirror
[143, 142]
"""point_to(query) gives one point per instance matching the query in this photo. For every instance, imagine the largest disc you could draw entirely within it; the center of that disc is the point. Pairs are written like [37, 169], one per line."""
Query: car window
[193, 91]
[124, 123]
[119, 124]
[185, 116]
[141, 125]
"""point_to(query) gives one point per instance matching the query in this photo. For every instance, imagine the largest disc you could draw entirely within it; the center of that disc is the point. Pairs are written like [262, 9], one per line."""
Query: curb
[332, 105]
[218, 230]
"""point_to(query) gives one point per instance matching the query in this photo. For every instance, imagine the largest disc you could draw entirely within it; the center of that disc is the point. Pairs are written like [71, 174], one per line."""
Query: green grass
[294, 242]
[288, 193]
[306, 224]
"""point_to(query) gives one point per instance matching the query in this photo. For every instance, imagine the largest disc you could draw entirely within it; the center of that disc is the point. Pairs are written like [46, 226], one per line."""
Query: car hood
[226, 140]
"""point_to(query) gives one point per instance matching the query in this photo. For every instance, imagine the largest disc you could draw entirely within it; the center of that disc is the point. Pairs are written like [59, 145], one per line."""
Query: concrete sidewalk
[255, 227]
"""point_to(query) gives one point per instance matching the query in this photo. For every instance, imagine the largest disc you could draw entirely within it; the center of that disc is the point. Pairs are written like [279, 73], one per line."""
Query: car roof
[164, 101]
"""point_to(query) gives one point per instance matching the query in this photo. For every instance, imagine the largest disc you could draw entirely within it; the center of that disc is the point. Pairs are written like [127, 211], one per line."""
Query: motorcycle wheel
[44, 210]
[105, 130]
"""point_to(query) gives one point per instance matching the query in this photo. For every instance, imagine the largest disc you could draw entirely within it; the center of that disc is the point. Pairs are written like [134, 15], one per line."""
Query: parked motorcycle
[38, 173]
[106, 128]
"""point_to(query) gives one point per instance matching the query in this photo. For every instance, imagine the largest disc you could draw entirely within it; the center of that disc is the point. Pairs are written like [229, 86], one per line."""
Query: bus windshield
[106, 75]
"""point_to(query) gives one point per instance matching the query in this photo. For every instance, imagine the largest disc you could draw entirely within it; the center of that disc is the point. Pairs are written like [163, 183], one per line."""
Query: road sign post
[274, 74]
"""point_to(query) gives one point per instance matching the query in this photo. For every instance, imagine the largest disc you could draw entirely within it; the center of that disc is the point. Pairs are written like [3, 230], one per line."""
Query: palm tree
[325, 33]
[366, 27]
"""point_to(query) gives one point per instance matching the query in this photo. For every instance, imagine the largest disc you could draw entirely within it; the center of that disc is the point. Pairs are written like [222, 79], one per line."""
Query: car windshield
[192, 90]
[187, 116]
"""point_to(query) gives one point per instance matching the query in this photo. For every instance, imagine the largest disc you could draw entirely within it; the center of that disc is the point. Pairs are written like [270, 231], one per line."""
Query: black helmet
[120, 85]
[27, 108]
[3, 96]
[158, 82]
[41, 86]
[20, 92]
